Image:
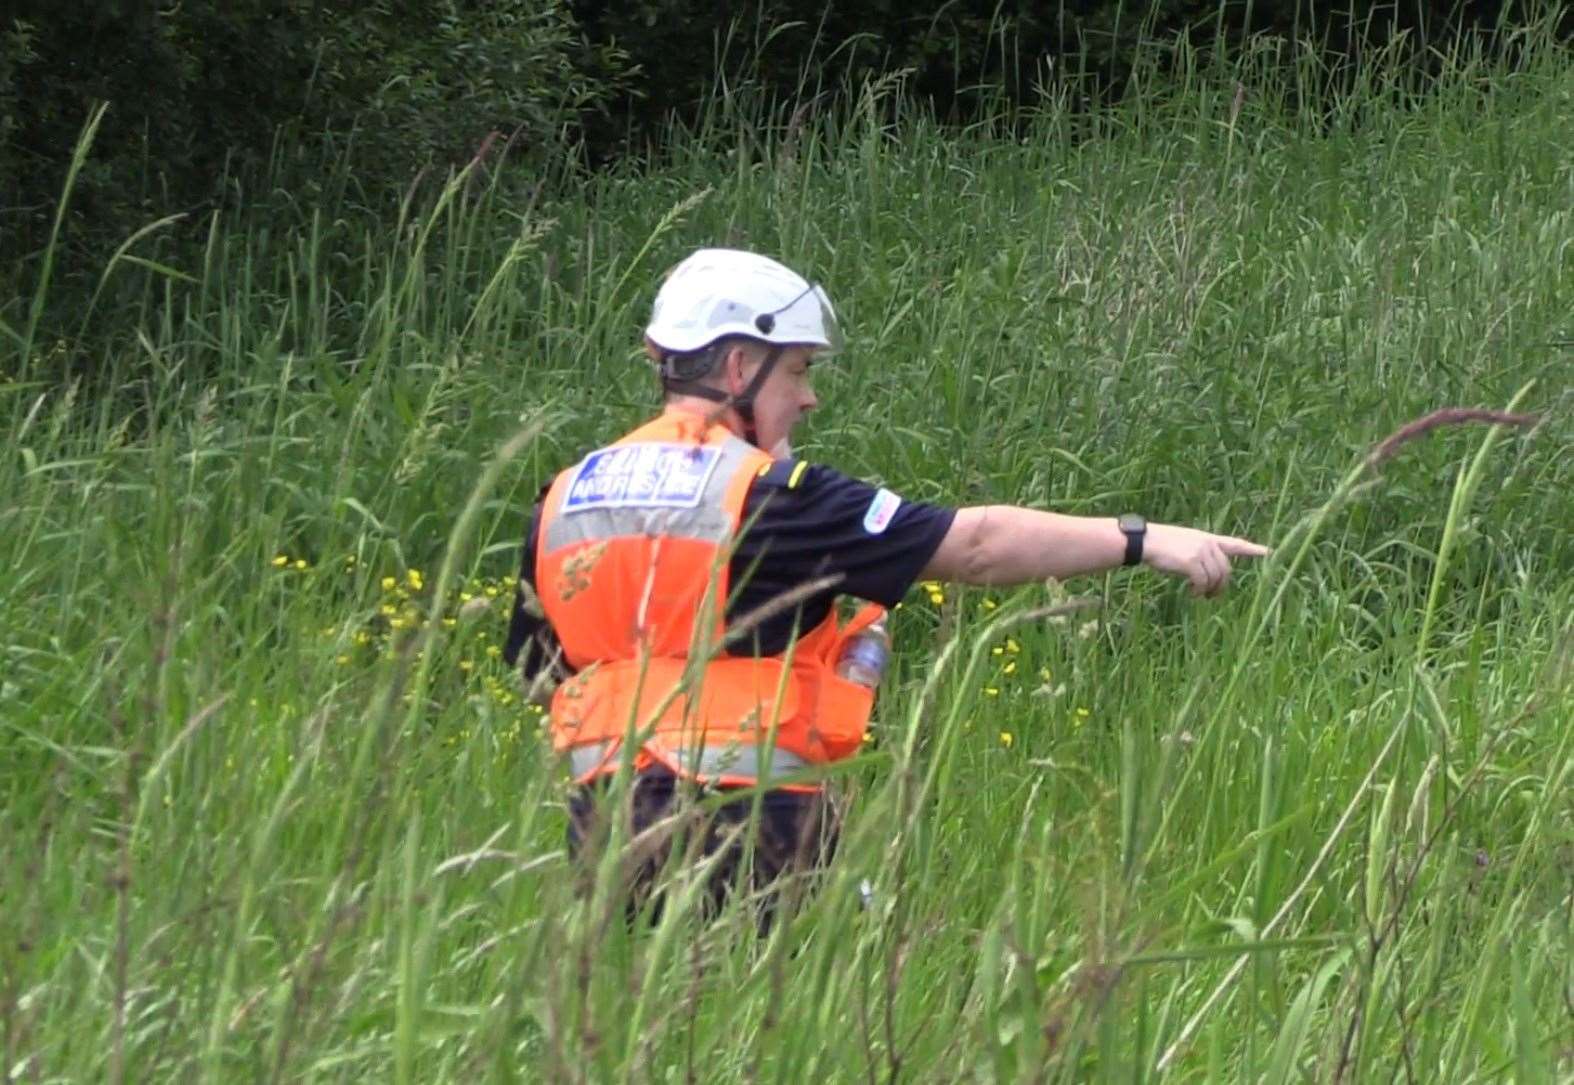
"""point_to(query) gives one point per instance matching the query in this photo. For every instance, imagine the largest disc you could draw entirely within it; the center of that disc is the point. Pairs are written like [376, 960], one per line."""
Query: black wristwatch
[1135, 528]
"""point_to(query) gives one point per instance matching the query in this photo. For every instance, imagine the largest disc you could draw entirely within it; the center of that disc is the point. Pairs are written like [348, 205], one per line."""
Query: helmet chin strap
[743, 402]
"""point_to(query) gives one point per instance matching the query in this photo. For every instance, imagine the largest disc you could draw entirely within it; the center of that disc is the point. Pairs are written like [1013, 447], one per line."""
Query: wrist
[1135, 530]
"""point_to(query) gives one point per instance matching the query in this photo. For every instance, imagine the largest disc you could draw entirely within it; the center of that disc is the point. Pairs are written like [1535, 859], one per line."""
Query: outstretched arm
[1007, 544]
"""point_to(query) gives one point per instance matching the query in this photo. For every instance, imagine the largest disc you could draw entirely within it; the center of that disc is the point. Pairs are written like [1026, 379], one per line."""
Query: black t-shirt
[801, 522]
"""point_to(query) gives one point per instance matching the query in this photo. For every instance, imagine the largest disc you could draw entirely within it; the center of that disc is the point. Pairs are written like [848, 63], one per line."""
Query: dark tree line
[207, 98]
[953, 48]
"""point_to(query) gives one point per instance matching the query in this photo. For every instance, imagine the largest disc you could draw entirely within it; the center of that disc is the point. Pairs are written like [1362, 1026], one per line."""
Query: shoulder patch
[881, 509]
[784, 474]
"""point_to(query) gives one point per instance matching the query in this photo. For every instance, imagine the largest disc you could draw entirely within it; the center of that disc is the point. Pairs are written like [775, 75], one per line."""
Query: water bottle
[864, 657]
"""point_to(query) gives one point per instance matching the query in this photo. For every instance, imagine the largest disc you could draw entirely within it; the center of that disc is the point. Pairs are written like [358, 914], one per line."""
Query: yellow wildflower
[1006, 739]
[1010, 667]
[990, 604]
[991, 691]
[1082, 713]
[389, 583]
[280, 561]
[465, 665]
[415, 579]
[493, 651]
[1012, 646]
[300, 563]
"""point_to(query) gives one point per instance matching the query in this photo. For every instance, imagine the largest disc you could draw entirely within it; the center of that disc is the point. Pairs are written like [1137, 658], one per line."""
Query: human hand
[1201, 557]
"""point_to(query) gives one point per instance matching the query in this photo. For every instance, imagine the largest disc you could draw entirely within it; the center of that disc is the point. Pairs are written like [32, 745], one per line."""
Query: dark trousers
[675, 822]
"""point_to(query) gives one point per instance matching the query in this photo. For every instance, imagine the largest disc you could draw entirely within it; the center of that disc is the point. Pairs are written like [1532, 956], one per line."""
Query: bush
[199, 93]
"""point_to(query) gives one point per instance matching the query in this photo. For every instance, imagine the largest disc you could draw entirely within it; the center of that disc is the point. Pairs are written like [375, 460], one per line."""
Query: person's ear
[737, 358]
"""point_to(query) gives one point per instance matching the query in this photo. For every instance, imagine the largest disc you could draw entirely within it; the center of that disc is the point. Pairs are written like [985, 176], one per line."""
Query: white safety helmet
[715, 293]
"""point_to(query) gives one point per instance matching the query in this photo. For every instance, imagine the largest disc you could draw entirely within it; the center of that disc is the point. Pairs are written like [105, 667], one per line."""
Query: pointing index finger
[1242, 548]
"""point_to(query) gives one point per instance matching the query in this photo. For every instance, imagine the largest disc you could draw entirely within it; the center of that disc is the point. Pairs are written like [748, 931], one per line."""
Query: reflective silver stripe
[742, 759]
[583, 759]
[739, 759]
[707, 521]
[590, 525]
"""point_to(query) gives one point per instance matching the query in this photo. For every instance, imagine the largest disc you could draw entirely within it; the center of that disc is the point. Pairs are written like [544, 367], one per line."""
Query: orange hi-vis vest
[632, 571]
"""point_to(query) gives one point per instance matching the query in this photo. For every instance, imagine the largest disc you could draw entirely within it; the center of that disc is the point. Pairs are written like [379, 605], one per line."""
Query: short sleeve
[803, 522]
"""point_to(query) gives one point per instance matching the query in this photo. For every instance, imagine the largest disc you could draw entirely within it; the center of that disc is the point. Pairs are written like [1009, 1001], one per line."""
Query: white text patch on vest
[654, 475]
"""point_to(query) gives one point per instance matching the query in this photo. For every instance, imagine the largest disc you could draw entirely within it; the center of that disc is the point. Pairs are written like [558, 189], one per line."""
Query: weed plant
[273, 808]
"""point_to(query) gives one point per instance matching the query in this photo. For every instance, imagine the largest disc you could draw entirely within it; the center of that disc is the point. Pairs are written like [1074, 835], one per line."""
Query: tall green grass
[273, 809]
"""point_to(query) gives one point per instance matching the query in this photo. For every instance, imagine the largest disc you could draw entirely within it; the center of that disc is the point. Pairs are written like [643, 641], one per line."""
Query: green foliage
[258, 102]
[207, 96]
[273, 809]
[432, 82]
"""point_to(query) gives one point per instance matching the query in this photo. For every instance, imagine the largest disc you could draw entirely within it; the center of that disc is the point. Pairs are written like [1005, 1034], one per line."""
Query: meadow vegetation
[273, 808]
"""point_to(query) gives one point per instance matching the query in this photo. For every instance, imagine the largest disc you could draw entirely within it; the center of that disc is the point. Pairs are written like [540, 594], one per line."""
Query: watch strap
[1135, 528]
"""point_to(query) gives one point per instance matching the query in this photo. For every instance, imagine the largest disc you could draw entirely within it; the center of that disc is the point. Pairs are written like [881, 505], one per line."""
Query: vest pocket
[842, 715]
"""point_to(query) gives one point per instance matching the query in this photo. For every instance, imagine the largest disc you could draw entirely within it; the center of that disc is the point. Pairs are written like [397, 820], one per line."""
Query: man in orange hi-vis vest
[687, 578]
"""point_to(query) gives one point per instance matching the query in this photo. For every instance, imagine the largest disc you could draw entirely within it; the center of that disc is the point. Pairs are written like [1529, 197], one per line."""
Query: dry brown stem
[1385, 449]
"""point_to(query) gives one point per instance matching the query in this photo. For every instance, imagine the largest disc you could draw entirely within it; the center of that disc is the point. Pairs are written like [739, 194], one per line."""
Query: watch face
[1130, 523]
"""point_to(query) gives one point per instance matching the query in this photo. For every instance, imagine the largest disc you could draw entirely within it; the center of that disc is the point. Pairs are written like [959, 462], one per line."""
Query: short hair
[696, 365]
